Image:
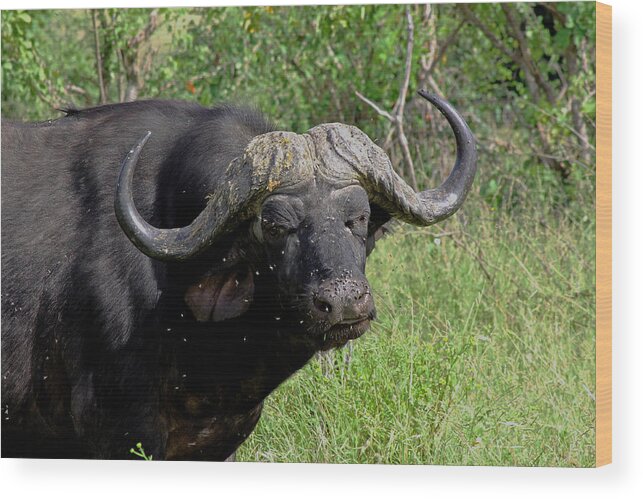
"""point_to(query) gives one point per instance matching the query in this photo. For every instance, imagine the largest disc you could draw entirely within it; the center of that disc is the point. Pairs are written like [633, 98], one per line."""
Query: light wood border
[603, 234]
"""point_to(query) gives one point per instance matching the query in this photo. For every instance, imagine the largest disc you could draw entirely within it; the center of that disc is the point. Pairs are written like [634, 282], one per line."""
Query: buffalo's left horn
[351, 151]
[444, 201]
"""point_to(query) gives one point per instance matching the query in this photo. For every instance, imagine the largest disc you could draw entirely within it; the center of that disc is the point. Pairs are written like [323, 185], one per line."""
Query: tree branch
[527, 60]
[377, 109]
[145, 33]
[533, 77]
[469, 16]
[571, 61]
[404, 87]
[445, 45]
[99, 60]
[134, 67]
[396, 117]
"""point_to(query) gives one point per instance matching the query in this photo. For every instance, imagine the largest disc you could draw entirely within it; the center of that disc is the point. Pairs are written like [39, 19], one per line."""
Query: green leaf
[589, 107]
[562, 38]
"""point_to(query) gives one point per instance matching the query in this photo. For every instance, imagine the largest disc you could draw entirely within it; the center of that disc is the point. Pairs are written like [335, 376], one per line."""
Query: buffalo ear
[378, 226]
[221, 296]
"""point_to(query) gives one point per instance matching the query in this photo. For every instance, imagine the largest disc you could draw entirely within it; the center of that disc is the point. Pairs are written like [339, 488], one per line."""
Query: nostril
[322, 305]
[362, 295]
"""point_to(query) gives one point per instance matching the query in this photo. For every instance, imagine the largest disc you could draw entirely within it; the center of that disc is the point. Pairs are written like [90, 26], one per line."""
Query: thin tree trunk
[99, 60]
[396, 116]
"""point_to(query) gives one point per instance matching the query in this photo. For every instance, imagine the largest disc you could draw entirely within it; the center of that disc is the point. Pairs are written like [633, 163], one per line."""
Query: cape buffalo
[163, 305]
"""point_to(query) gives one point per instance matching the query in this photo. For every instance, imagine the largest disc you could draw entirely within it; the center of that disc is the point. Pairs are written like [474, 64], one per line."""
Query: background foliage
[484, 349]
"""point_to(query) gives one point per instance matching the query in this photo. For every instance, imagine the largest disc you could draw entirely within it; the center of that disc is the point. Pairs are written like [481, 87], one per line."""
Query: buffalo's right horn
[269, 162]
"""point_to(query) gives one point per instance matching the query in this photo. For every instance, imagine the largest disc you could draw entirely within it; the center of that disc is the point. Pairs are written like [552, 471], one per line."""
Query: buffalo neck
[233, 365]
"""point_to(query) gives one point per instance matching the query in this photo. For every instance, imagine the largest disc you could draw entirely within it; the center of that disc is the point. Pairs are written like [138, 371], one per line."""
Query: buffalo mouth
[340, 334]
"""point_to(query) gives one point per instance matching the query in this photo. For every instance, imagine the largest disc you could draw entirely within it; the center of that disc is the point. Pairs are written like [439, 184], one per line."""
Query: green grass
[483, 354]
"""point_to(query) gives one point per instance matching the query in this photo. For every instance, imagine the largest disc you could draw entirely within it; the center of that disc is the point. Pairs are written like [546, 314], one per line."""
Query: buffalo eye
[274, 231]
[358, 225]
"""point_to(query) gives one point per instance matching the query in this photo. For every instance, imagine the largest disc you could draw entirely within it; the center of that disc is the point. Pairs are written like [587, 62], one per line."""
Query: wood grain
[603, 234]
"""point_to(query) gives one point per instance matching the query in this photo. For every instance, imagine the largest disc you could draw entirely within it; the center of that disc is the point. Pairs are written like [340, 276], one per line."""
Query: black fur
[99, 349]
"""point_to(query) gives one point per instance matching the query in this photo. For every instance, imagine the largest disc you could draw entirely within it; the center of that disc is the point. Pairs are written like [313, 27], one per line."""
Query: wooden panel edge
[603, 234]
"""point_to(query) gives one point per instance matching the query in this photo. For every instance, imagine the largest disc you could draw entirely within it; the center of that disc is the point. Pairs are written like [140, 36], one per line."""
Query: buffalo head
[313, 204]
